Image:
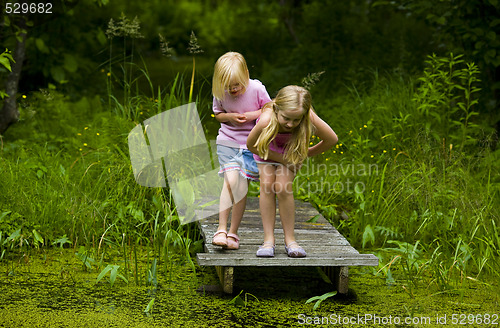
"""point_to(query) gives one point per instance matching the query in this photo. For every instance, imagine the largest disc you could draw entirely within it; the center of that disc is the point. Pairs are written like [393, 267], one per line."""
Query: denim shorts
[237, 159]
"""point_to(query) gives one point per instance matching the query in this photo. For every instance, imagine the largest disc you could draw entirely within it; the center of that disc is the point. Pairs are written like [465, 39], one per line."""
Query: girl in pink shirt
[237, 103]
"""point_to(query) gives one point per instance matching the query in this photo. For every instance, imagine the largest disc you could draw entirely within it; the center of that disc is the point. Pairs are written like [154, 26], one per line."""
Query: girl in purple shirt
[237, 103]
[280, 141]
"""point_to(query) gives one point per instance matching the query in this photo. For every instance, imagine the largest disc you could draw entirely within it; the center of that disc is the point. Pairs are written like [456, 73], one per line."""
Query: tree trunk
[287, 16]
[9, 113]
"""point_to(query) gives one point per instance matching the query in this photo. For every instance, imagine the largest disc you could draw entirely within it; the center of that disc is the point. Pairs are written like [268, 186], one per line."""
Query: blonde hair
[291, 97]
[230, 66]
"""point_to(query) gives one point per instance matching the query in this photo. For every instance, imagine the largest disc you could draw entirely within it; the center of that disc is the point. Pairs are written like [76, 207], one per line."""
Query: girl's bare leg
[284, 190]
[267, 200]
[234, 190]
[240, 197]
[225, 204]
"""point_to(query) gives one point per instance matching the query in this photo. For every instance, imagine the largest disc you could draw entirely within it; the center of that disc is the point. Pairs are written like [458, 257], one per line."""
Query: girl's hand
[237, 119]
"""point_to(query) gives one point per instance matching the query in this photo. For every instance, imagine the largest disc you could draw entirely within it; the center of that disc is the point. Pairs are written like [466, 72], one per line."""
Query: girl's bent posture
[237, 104]
[280, 143]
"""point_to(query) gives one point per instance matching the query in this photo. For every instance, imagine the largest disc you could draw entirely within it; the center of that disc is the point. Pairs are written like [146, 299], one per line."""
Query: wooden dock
[325, 246]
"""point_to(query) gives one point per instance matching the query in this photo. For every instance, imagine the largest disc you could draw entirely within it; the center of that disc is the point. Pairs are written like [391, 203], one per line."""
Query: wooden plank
[281, 259]
[258, 233]
[252, 249]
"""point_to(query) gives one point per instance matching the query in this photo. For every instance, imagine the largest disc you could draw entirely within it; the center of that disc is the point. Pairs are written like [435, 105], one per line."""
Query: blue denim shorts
[237, 159]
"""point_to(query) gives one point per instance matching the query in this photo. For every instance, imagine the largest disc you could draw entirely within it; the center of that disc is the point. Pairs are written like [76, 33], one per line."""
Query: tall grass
[429, 204]
[67, 180]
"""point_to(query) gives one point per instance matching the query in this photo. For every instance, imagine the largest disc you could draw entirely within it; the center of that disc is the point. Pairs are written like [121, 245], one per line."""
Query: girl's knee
[267, 186]
[283, 193]
[283, 187]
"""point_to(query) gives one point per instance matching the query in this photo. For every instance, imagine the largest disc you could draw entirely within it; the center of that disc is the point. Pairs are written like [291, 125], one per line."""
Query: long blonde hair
[231, 65]
[291, 97]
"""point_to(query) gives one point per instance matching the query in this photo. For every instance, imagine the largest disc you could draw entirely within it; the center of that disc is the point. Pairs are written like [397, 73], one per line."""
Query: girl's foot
[294, 250]
[233, 241]
[266, 250]
[220, 238]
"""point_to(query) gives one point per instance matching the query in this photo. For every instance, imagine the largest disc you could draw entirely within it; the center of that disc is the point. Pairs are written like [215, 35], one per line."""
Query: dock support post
[342, 279]
[339, 276]
[226, 277]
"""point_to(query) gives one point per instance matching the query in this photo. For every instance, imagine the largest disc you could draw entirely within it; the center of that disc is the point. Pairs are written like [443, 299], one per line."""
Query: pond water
[53, 289]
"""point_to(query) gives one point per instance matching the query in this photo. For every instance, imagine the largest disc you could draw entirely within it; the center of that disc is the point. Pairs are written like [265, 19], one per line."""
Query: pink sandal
[220, 238]
[233, 241]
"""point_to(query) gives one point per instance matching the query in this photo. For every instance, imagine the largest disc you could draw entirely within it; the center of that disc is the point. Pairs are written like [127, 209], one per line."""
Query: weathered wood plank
[258, 233]
[244, 250]
[281, 259]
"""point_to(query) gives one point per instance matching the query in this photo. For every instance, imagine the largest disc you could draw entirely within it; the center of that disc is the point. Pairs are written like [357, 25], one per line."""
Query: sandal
[220, 238]
[266, 250]
[233, 241]
[295, 251]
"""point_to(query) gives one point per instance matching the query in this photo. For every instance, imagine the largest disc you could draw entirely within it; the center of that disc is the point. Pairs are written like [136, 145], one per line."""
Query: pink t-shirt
[253, 99]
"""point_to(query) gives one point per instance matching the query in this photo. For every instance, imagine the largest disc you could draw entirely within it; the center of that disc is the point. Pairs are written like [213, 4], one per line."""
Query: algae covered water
[54, 289]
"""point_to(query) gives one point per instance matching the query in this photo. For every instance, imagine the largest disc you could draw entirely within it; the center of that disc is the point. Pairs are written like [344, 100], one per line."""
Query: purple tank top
[278, 144]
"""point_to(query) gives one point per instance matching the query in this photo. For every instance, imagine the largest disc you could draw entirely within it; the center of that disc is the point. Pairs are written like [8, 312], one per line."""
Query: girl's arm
[252, 116]
[325, 133]
[234, 118]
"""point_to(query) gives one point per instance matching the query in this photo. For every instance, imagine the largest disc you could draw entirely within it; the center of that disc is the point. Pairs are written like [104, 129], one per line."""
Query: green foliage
[5, 59]
[113, 274]
[468, 27]
[445, 99]
[238, 300]
[84, 256]
[320, 299]
[149, 307]
[61, 241]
